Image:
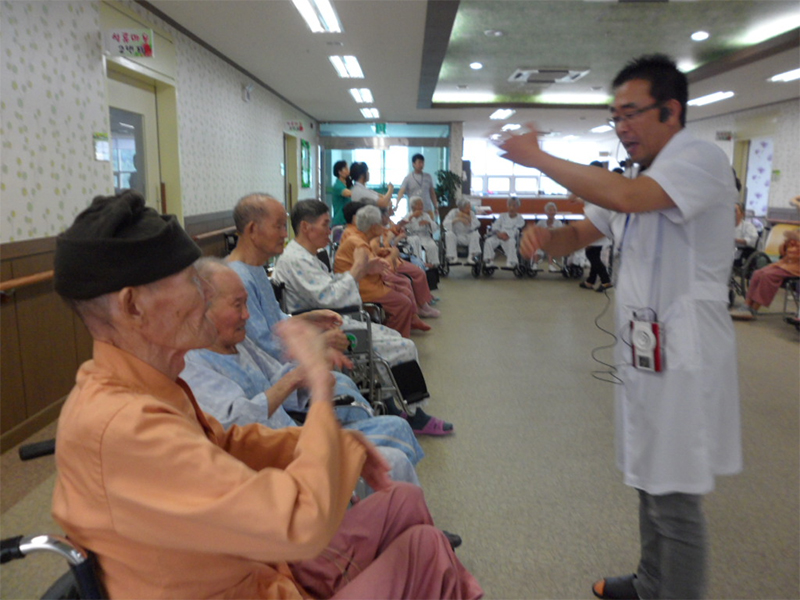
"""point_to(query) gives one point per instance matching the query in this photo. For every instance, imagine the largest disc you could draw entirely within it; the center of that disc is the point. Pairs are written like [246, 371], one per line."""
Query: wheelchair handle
[20, 546]
[31, 451]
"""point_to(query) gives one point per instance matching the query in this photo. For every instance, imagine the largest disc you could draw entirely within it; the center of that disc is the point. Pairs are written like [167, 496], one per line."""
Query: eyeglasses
[617, 119]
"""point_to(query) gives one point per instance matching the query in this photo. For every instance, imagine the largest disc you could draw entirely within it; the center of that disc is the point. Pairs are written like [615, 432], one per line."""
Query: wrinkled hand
[336, 339]
[305, 345]
[502, 235]
[324, 319]
[375, 470]
[376, 266]
[533, 239]
[524, 148]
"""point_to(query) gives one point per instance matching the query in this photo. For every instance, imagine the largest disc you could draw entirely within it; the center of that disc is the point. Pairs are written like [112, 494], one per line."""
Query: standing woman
[359, 172]
[341, 192]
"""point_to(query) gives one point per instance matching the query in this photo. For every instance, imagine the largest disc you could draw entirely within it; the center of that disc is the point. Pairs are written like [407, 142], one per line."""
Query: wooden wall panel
[47, 337]
[12, 395]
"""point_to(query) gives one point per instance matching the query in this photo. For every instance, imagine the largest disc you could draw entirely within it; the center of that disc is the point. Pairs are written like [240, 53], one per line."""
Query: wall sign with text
[130, 42]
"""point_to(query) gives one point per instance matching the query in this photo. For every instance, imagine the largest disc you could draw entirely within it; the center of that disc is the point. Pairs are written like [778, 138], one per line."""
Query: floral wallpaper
[53, 94]
[784, 130]
[759, 175]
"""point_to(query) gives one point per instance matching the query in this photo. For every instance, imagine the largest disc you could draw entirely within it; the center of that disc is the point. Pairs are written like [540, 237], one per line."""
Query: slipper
[420, 325]
[434, 426]
[616, 588]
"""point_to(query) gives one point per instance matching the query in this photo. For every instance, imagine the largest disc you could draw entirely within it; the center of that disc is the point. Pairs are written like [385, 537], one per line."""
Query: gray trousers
[674, 546]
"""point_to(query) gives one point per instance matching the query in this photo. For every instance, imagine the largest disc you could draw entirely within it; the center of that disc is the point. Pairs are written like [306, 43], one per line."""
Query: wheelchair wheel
[476, 270]
[444, 268]
[519, 271]
[756, 261]
[575, 271]
[64, 588]
[489, 271]
[532, 273]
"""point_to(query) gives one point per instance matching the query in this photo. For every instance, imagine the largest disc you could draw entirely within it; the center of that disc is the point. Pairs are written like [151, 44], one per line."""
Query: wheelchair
[81, 581]
[372, 374]
[462, 252]
[524, 267]
[757, 259]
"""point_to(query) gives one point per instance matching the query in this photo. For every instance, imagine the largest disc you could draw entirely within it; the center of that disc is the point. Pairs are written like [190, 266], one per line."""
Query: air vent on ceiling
[547, 76]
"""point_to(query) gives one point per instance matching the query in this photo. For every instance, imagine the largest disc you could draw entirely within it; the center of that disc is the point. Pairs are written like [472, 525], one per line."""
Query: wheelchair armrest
[345, 310]
[37, 449]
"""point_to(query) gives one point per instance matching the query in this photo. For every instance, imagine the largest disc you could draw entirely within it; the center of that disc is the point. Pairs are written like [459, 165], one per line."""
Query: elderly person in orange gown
[175, 506]
[766, 281]
[396, 298]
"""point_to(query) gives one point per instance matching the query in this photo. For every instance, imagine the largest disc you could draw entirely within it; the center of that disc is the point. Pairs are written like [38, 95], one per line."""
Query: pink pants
[399, 306]
[419, 282]
[765, 283]
[387, 547]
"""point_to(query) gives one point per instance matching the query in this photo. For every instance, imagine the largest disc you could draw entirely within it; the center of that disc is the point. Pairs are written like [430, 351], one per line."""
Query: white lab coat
[677, 429]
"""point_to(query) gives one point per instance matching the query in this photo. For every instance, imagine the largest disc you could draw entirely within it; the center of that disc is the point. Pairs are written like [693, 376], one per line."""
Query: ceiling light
[601, 129]
[319, 15]
[347, 66]
[700, 36]
[370, 113]
[502, 113]
[493, 33]
[569, 138]
[709, 98]
[362, 95]
[511, 127]
[787, 76]
[476, 66]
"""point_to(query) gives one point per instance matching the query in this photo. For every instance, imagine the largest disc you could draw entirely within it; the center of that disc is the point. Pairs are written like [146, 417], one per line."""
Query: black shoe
[616, 588]
[453, 538]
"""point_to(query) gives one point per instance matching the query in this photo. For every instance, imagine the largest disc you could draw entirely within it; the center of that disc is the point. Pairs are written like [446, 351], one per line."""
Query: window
[498, 185]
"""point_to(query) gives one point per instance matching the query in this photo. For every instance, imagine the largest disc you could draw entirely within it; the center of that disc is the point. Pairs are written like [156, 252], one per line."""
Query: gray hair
[462, 202]
[366, 217]
[414, 199]
[513, 202]
[251, 208]
[209, 265]
[550, 205]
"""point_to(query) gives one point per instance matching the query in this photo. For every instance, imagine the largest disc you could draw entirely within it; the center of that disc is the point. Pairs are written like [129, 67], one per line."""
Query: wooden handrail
[25, 281]
[209, 234]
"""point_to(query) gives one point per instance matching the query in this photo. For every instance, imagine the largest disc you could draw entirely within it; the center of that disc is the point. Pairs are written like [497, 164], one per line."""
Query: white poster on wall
[759, 173]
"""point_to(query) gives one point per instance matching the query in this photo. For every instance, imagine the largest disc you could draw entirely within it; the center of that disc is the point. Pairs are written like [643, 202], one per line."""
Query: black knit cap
[119, 242]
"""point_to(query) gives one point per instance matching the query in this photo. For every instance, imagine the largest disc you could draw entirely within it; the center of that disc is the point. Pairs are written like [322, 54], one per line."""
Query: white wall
[54, 98]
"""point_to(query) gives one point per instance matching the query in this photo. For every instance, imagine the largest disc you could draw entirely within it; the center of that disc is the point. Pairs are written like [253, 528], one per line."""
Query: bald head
[254, 208]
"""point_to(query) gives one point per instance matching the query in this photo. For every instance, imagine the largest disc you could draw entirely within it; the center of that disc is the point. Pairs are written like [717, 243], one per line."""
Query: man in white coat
[678, 425]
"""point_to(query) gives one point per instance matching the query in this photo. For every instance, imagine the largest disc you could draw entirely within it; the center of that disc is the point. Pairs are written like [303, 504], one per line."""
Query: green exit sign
[380, 128]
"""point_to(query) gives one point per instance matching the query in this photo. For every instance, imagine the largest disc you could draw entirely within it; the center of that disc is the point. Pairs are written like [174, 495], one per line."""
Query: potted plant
[446, 188]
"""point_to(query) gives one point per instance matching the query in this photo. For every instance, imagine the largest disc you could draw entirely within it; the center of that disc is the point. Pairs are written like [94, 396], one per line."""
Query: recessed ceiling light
[502, 113]
[787, 76]
[700, 36]
[601, 129]
[511, 127]
[710, 98]
[319, 15]
[362, 95]
[476, 66]
[347, 66]
[335, 43]
[370, 113]
[493, 33]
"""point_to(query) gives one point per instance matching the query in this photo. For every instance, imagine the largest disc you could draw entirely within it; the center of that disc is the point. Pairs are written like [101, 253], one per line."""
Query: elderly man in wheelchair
[174, 505]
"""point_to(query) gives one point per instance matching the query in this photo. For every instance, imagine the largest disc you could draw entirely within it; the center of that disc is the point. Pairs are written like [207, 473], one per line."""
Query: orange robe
[176, 507]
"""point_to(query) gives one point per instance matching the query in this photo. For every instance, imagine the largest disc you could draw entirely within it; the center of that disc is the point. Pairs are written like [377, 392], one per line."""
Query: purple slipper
[434, 426]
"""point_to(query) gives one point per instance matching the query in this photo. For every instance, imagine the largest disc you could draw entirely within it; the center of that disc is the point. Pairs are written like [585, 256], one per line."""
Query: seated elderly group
[261, 224]
[175, 504]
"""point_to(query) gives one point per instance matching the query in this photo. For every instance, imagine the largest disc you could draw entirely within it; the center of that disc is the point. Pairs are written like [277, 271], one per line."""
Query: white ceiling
[268, 39]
